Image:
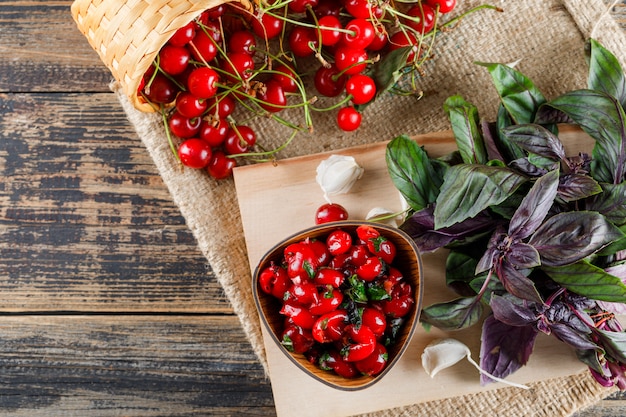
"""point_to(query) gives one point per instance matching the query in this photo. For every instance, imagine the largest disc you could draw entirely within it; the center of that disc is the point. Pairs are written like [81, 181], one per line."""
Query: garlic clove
[337, 174]
[442, 354]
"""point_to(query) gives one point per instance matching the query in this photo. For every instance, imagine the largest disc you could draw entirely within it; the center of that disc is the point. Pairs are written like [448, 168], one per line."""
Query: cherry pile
[260, 62]
[342, 300]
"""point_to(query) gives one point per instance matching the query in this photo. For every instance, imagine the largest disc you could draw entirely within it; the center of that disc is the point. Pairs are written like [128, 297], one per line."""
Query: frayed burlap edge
[208, 205]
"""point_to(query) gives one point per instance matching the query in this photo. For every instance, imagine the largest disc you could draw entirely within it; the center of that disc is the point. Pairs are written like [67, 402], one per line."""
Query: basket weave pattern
[128, 34]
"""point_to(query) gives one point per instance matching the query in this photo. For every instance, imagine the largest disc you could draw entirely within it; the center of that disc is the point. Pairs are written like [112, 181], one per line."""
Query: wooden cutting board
[277, 200]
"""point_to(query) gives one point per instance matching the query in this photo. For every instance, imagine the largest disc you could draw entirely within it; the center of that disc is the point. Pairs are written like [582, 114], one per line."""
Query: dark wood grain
[107, 306]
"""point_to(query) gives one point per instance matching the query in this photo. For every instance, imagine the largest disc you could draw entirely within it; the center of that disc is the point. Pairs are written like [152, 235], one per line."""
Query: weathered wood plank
[131, 366]
[42, 50]
[86, 223]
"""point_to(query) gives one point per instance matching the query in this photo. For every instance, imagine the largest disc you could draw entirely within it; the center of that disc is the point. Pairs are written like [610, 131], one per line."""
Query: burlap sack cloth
[546, 36]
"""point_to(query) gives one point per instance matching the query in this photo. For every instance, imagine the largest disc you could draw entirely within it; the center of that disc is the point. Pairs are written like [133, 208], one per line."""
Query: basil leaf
[412, 172]
[504, 349]
[614, 343]
[571, 336]
[420, 226]
[509, 312]
[469, 189]
[460, 267]
[536, 139]
[602, 117]
[517, 283]
[518, 94]
[453, 315]
[605, 73]
[611, 203]
[568, 237]
[466, 128]
[390, 69]
[509, 150]
[534, 207]
[588, 280]
[574, 187]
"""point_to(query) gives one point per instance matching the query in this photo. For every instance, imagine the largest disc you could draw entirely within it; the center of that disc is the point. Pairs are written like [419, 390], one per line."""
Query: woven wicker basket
[128, 34]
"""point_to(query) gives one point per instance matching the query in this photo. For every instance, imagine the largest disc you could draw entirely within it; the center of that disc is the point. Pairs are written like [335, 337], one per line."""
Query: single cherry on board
[330, 212]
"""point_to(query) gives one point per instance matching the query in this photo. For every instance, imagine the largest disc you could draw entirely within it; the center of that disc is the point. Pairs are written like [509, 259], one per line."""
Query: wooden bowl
[407, 260]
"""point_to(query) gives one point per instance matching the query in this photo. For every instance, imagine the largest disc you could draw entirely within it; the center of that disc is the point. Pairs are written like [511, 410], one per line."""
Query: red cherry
[348, 119]
[350, 60]
[404, 39]
[361, 34]
[189, 105]
[330, 212]
[221, 105]
[381, 38]
[423, 18]
[202, 82]
[286, 77]
[273, 97]
[214, 133]
[221, 166]
[303, 41]
[240, 65]
[203, 48]
[161, 90]
[445, 6]
[327, 82]
[194, 153]
[239, 139]
[363, 9]
[183, 127]
[184, 35]
[267, 26]
[300, 6]
[361, 87]
[242, 41]
[328, 30]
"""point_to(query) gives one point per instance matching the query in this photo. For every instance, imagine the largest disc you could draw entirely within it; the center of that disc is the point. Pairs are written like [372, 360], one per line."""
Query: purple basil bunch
[536, 237]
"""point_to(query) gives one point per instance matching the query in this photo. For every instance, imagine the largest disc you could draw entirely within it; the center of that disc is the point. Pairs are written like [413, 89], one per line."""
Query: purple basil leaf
[524, 166]
[535, 206]
[603, 118]
[536, 139]
[504, 349]
[517, 283]
[487, 261]
[523, 256]
[574, 187]
[420, 226]
[508, 312]
[572, 337]
[614, 343]
[588, 280]
[611, 203]
[469, 189]
[490, 137]
[549, 116]
[466, 129]
[568, 237]
[453, 315]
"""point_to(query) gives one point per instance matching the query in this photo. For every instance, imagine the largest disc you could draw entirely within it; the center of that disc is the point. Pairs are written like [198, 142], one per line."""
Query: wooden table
[108, 308]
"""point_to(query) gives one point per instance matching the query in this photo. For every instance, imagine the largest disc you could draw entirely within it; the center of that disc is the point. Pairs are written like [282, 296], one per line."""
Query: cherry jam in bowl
[341, 300]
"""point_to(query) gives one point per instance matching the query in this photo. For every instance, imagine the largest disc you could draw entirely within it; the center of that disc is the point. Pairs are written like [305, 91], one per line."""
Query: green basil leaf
[453, 315]
[588, 280]
[390, 69]
[569, 237]
[518, 94]
[469, 189]
[466, 128]
[605, 73]
[412, 172]
[614, 343]
[509, 150]
[603, 118]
